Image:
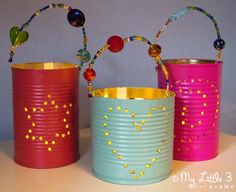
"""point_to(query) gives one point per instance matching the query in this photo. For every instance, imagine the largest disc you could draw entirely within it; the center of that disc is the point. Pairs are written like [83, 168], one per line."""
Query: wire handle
[219, 43]
[116, 44]
[75, 17]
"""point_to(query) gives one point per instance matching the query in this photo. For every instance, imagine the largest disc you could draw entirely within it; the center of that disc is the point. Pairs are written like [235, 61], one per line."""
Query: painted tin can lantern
[132, 128]
[197, 84]
[45, 106]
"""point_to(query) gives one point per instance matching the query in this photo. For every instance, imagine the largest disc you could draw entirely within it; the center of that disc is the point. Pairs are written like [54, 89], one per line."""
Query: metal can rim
[133, 93]
[44, 66]
[191, 61]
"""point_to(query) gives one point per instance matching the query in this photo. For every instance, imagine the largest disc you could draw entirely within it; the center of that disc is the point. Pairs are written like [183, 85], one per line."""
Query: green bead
[18, 37]
[83, 55]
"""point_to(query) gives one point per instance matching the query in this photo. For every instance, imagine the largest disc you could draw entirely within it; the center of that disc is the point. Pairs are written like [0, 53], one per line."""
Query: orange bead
[89, 74]
[154, 50]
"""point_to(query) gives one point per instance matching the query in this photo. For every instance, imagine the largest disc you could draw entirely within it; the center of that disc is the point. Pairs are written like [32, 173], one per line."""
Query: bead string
[116, 44]
[218, 44]
[38, 13]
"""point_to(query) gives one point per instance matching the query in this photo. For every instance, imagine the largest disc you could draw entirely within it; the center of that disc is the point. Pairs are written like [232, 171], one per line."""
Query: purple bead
[76, 18]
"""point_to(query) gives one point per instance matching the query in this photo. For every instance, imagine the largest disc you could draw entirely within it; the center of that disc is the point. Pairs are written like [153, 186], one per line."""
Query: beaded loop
[75, 17]
[218, 44]
[117, 45]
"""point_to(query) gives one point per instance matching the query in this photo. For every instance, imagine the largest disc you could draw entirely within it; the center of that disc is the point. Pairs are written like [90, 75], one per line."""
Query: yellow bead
[154, 50]
[157, 59]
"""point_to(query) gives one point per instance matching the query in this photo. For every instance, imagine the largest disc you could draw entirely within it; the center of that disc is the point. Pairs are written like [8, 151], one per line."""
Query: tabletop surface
[218, 174]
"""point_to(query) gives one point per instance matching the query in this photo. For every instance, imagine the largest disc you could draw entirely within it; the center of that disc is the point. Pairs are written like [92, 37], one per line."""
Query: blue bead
[131, 38]
[44, 8]
[219, 44]
[180, 13]
[76, 18]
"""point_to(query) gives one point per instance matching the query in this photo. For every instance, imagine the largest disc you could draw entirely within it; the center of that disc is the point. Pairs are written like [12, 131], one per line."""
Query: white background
[53, 39]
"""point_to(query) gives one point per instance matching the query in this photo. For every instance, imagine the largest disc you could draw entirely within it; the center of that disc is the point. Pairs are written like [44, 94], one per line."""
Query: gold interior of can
[44, 66]
[189, 61]
[136, 93]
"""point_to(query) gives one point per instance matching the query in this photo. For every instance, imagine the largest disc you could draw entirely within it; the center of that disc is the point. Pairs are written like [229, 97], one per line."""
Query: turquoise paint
[137, 148]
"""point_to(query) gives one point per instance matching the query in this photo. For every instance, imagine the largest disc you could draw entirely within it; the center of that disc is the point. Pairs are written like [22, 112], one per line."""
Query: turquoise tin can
[132, 135]
[132, 128]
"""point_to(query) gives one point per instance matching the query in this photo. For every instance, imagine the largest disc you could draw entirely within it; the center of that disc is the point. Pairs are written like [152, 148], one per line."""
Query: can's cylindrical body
[45, 112]
[197, 84]
[132, 137]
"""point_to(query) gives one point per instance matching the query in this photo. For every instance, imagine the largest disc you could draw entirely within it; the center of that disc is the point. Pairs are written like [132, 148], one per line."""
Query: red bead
[90, 95]
[115, 43]
[89, 74]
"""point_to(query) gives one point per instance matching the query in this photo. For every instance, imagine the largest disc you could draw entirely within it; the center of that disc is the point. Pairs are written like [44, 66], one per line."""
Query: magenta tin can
[197, 84]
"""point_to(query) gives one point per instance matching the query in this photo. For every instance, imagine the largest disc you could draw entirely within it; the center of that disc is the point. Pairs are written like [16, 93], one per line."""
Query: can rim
[44, 66]
[191, 61]
[133, 93]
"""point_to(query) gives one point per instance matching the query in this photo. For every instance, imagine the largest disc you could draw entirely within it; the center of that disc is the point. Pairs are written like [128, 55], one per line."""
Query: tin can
[45, 112]
[197, 85]
[132, 130]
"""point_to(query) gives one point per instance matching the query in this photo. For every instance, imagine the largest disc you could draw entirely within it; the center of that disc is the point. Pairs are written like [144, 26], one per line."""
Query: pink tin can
[197, 84]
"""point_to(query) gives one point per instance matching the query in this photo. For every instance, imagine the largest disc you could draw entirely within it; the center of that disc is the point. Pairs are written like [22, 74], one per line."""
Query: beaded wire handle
[75, 17]
[219, 43]
[116, 44]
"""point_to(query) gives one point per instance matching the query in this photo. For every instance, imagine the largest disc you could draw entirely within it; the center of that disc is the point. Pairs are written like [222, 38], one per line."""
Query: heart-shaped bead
[18, 37]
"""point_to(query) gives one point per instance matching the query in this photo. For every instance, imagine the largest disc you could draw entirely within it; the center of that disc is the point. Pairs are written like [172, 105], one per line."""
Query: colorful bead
[115, 43]
[76, 18]
[83, 55]
[219, 44]
[89, 74]
[90, 88]
[154, 50]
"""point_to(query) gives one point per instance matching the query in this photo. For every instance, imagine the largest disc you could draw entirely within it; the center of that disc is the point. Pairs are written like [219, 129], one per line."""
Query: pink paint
[197, 84]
